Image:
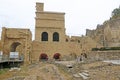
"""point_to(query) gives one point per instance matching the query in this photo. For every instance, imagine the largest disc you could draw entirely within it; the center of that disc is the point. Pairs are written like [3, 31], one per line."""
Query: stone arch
[55, 36]
[43, 56]
[56, 56]
[14, 46]
[44, 36]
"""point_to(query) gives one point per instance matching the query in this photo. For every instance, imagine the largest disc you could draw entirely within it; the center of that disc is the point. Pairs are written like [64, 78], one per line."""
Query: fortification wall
[103, 55]
[106, 34]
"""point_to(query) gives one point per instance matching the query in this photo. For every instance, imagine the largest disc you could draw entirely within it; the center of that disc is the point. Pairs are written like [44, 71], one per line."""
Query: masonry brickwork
[16, 40]
[51, 38]
[106, 34]
[50, 23]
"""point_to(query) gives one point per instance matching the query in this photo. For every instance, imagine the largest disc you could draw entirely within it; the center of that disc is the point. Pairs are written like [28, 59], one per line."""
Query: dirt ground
[61, 71]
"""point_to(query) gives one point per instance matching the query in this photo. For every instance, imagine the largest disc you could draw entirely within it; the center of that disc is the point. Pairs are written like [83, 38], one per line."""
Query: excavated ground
[64, 70]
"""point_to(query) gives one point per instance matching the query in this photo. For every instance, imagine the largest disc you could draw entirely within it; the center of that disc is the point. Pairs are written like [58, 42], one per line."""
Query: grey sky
[80, 14]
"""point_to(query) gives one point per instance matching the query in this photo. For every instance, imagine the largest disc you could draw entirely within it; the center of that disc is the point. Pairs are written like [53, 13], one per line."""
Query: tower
[49, 26]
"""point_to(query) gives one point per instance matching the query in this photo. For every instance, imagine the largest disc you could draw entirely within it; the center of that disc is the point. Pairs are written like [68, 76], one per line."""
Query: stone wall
[106, 34]
[103, 55]
[0, 45]
[65, 49]
[73, 46]
[49, 22]
[16, 40]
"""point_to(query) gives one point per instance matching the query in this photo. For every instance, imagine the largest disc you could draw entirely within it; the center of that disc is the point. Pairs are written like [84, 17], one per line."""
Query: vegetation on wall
[105, 48]
[116, 13]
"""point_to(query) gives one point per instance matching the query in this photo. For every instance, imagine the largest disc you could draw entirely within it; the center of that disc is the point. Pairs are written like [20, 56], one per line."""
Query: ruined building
[16, 40]
[106, 34]
[51, 38]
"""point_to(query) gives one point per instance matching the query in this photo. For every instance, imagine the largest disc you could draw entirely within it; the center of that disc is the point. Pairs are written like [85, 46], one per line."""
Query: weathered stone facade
[50, 37]
[103, 55]
[16, 40]
[106, 34]
[0, 45]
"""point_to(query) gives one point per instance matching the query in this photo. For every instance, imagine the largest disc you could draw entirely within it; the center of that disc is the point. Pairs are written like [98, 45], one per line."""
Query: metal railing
[6, 58]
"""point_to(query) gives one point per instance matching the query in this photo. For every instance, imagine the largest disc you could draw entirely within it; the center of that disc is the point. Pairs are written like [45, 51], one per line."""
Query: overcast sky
[79, 14]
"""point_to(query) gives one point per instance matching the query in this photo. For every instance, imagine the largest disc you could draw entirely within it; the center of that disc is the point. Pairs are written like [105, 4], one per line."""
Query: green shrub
[95, 49]
[2, 71]
[105, 48]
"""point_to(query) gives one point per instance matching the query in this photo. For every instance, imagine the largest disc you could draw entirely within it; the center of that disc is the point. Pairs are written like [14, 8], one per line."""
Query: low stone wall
[67, 50]
[104, 55]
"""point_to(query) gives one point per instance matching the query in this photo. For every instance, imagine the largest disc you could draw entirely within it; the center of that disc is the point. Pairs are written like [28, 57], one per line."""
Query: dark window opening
[44, 36]
[55, 36]
[78, 41]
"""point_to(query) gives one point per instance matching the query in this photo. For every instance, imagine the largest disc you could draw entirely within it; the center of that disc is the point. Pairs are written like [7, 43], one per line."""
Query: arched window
[44, 36]
[55, 36]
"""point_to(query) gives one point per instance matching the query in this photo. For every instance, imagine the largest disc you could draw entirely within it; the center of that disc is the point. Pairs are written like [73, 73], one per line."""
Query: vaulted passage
[14, 46]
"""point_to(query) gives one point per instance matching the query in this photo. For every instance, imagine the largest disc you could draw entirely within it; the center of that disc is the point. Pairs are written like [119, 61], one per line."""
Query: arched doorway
[43, 56]
[15, 51]
[56, 56]
[14, 46]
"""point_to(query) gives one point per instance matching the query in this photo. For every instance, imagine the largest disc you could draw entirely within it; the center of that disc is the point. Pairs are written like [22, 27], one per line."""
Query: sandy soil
[59, 71]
